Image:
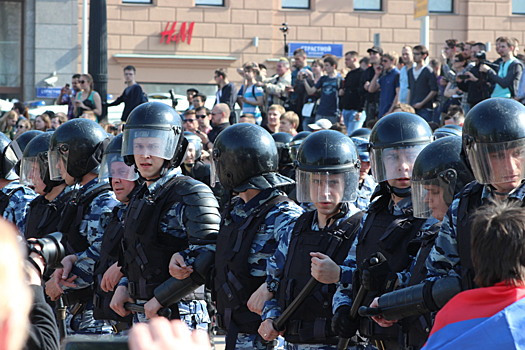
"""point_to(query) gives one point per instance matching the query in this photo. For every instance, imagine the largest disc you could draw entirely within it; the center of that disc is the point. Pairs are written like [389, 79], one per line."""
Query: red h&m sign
[171, 34]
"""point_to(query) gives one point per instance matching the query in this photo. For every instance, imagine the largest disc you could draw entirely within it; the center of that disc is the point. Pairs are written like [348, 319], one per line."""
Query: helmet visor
[433, 197]
[113, 166]
[12, 155]
[494, 163]
[394, 163]
[149, 142]
[30, 171]
[316, 187]
[57, 159]
[214, 174]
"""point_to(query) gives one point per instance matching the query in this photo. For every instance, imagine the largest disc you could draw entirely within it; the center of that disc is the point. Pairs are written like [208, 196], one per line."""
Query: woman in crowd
[87, 99]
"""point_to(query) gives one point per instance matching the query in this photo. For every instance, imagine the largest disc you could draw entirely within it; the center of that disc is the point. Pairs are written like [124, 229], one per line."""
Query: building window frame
[370, 8]
[210, 3]
[291, 7]
[137, 2]
[450, 11]
[520, 13]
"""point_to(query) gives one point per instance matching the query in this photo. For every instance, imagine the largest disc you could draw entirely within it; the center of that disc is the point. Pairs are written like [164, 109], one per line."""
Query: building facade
[179, 43]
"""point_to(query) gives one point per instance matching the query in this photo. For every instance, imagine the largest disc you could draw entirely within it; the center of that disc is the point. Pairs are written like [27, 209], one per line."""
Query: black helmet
[296, 142]
[196, 141]
[361, 132]
[442, 166]
[245, 157]
[13, 153]
[363, 148]
[321, 156]
[35, 157]
[282, 141]
[79, 144]
[7, 172]
[113, 164]
[395, 142]
[447, 130]
[155, 120]
[495, 127]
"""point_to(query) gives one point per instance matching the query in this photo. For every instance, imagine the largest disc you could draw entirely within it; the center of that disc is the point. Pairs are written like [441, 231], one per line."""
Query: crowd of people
[288, 225]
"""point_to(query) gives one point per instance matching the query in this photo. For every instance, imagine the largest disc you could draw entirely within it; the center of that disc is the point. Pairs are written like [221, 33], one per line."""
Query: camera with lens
[284, 28]
[49, 247]
[482, 55]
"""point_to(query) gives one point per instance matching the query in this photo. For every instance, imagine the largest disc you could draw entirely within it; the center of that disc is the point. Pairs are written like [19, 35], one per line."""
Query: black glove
[343, 325]
[377, 276]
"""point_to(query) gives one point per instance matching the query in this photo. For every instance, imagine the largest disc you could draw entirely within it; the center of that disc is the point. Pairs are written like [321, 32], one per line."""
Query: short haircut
[392, 56]
[278, 108]
[364, 60]
[203, 97]
[352, 53]
[299, 51]
[451, 43]
[507, 40]
[481, 46]
[130, 68]
[221, 73]
[193, 90]
[76, 76]
[285, 61]
[262, 66]
[201, 108]
[498, 244]
[330, 60]
[421, 48]
[189, 112]
[318, 62]
[291, 117]
[247, 118]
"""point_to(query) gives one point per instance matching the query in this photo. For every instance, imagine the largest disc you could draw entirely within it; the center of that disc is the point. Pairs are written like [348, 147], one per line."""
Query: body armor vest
[44, 216]
[233, 283]
[389, 234]
[311, 322]
[147, 250]
[73, 215]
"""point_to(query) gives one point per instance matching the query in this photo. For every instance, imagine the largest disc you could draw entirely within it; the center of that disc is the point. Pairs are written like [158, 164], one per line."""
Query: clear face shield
[494, 163]
[57, 160]
[149, 142]
[32, 171]
[316, 187]
[113, 166]
[214, 174]
[394, 163]
[432, 197]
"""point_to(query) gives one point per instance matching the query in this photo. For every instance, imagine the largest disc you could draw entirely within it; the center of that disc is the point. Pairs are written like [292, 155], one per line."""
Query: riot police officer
[44, 211]
[171, 215]
[494, 141]
[388, 227]
[367, 183]
[246, 162]
[124, 183]
[75, 153]
[14, 197]
[327, 176]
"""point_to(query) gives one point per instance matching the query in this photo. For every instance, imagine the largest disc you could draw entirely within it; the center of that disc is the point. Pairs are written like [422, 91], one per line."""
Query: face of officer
[148, 166]
[398, 163]
[326, 191]
[38, 183]
[435, 200]
[62, 167]
[121, 187]
[507, 165]
[364, 170]
[190, 154]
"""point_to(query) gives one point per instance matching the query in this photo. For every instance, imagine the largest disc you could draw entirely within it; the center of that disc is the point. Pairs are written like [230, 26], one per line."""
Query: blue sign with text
[316, 49]
[47, 92]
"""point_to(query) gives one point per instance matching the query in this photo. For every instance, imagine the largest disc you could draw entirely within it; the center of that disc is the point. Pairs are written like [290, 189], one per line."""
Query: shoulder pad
[471, 188]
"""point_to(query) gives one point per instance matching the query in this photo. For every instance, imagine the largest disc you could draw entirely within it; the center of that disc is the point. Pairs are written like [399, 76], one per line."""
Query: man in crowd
[275, 87]
[351, 100]
[422, 84]
[226, 93]
[132, 95]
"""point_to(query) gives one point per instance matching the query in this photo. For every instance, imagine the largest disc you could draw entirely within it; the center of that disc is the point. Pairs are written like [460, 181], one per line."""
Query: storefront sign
[317, 50]
[170, 33]
[47, 92]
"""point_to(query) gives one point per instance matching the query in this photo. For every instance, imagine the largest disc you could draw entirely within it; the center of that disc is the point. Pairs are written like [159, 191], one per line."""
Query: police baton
[164, 312]
[279, 323]
[60, 309]
[361, 293]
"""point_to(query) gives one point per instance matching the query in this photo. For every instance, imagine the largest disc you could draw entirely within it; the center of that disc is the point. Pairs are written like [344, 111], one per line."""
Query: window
[368, 5]
[518, 7]
[137, 1]
[209, 2]
[441, 6]
[10, 48]
[296, 4]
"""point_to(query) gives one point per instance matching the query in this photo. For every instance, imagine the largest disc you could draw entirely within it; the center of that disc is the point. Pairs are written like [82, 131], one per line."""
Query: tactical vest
[147, 249]
[233, 282]
[389, 234]
[44, 216]
[108, 256]
[5, 198]
[72, 217]
[311, 322]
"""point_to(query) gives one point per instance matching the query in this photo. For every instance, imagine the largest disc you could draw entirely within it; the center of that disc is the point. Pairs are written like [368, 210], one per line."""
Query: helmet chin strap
[400, 192]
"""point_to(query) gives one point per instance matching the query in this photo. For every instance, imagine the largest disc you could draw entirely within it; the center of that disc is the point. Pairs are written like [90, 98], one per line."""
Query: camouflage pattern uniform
[364, 192]
[275, 269]
[277, 224]
[444, 256]
[92, 227]
[16, 210]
